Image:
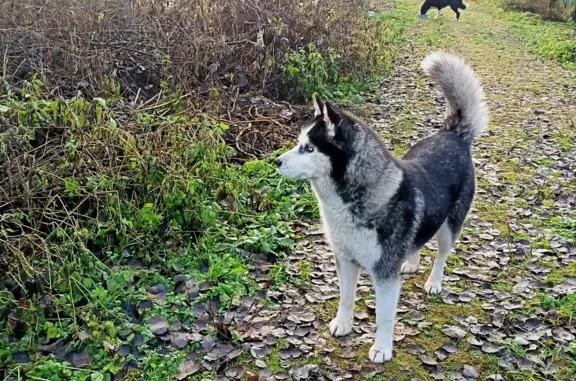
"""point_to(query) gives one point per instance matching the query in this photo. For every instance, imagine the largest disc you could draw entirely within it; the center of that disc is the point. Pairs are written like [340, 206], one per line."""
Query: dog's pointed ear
[318, 105]
[332, 117]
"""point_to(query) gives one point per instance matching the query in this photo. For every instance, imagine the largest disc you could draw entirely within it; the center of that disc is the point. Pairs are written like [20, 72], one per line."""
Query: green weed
[315, 73]
[550, 40]
[142, 197]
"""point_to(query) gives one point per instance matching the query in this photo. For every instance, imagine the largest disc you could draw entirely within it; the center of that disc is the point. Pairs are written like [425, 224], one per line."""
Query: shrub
[82, 176]
[548, 9]
[79, 44]
[89, 181]
[117, 163]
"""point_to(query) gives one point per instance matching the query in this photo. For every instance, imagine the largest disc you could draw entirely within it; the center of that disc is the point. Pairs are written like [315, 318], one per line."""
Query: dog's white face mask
[305, 161]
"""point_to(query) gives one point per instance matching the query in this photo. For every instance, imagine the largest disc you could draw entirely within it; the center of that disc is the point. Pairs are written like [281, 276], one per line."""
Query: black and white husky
[378, 211]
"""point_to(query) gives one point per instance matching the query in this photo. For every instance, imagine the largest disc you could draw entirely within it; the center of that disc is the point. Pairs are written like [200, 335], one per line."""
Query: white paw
[408, 268]
[340, 328]
[379, 355]
[433, 287]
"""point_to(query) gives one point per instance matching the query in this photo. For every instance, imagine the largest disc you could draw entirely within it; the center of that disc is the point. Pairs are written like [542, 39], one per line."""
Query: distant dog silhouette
[455, 5]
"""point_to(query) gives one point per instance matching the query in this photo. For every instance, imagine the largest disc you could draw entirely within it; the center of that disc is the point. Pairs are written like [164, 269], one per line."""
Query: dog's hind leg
[410, 265]
[445, 239]
[348, 278]
[447, 235]
[455, 9]
[438, 14]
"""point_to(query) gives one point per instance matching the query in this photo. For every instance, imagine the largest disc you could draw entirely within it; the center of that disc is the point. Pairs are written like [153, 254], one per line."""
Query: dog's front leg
[387, 294]
[348, 278]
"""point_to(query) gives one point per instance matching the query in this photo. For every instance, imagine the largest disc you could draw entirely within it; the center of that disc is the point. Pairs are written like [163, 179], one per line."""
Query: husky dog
[455, 5]
[378, 211]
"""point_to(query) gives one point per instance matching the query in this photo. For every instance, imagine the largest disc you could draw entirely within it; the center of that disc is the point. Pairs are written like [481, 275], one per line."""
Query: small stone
[132, 364]
[51, 348]
[371, 304]
[416, 316]
[414, 349]
[259, 352]
[524, 363]
[474, 341]
[441, 354]
[265, 375]
[132, 312]
[437, 374]
[205, 286]
[183, 286]
[199, 309]
[282, 376]
[193, 292]
[179, 278]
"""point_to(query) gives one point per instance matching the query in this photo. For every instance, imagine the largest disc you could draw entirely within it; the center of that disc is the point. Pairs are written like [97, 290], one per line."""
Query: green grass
[553, 40]
[557, 275]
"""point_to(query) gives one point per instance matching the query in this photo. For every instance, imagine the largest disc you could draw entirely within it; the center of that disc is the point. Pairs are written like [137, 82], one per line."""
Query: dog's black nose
[278, 162]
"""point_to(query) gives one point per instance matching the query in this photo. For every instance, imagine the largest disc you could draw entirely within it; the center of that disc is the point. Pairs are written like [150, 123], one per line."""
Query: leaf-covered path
[508, 304]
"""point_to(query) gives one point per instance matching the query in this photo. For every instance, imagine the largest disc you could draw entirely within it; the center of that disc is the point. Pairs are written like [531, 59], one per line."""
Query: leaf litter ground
[507, 308]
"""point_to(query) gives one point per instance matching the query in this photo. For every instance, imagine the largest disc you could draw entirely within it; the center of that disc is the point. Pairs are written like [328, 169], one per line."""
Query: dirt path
[506, 311]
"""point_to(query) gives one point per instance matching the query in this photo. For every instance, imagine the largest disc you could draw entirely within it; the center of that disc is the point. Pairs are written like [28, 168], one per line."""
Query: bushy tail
[466, 111]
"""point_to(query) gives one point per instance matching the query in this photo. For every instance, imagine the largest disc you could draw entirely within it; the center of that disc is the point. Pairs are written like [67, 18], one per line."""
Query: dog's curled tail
[466, 110]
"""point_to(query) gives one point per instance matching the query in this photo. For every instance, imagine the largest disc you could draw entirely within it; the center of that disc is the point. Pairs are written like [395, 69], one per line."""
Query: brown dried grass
[76, 44]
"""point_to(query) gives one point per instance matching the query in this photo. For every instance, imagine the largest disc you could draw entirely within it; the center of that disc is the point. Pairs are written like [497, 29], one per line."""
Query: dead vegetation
[555, 10]
[78, 45]
[160, 73]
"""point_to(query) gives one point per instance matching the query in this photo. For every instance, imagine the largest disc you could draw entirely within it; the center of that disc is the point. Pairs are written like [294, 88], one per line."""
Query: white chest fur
[347, 238]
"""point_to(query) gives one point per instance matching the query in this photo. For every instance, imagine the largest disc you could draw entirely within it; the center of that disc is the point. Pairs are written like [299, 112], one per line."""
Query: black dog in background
[439, 4]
